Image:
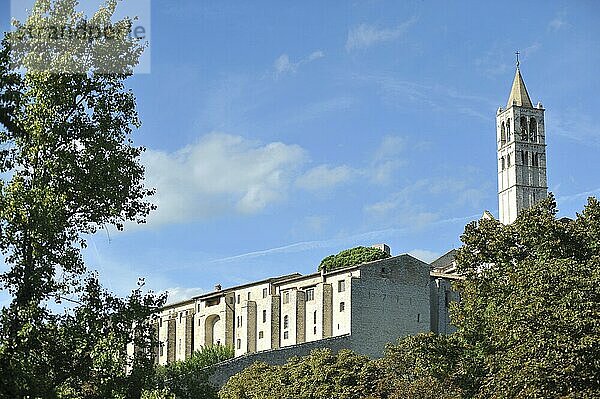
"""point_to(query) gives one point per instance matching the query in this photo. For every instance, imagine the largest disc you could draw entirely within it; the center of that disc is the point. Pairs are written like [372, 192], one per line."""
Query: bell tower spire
[521, 139]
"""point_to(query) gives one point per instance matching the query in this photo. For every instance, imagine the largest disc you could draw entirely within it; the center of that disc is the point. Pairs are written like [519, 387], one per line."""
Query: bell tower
[521, 138]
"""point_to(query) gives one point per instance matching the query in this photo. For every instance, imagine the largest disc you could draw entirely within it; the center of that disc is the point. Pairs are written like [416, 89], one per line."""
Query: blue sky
[280, 133]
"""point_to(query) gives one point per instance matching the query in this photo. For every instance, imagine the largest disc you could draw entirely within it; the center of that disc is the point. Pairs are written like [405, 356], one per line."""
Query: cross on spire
[517, 53]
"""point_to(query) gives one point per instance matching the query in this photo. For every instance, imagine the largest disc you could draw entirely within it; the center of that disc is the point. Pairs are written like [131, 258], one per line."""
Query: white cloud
[177, 294]
[576, 125]
[220, 174]
[315, 55]
[283, 65]
[408, 206]
[558, 22]
[364, 35]
[424, 255]
[324, 177]
[387, 160]
[401, 93]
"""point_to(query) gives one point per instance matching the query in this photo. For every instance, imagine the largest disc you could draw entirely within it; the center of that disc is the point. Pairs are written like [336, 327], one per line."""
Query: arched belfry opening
[502, 134]
[533, 130]
[523, 125]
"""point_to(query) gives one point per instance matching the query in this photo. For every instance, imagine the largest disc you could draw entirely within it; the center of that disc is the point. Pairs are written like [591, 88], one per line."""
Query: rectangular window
[160, 322]
[341, 286]
[238, 298]
[285, 335]
[239, 343]
[315, 317]
[248, 296]
[286, 322]
[260, 335]
[213, 302]
[342, 306]
[264, 316]
[264, 292]
[418, 317]
[286, 297]
[310, 294]
[198, 307]
[315, 330]
[239, 321]
[162, 349]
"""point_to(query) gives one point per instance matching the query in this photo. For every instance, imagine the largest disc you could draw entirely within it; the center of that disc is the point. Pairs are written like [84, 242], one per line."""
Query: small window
[238, 298]
[264, 316]
[286, 297]
[160, 321]
[179, 345]
[162, 349]
[418, 317]
[315, 330]
[310, 294]
[286, 335]
[264, 292]
[239, 343]
[508, 161]
[260, 335]
[286, 322]
[248, 296]
[503, 163]
[315, 317]
[341, 286]
[342, 306]
[239, 321]
[199, 322]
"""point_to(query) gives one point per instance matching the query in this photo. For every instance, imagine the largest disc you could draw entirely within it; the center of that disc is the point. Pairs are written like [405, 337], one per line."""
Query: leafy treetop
[351, 257]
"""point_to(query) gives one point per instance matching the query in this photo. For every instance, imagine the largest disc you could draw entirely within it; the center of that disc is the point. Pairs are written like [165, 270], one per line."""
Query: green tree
[189, 379]
[420, 366]
[351, 257]
[70, 168]
[529, 315]
[322, 374]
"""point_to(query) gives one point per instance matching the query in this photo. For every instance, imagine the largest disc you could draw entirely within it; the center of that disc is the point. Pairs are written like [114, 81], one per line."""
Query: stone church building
[361, 307]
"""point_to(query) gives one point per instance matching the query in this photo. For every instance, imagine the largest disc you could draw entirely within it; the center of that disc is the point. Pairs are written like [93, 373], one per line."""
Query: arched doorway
[211, 327]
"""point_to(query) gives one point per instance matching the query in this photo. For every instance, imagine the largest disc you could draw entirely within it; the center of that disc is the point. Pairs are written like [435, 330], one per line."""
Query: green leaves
[531, 303]
[70, 168]
[351, 257]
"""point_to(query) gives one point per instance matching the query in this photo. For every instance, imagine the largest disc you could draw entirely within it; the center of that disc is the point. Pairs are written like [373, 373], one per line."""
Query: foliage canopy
[351, 257]
[69, 168]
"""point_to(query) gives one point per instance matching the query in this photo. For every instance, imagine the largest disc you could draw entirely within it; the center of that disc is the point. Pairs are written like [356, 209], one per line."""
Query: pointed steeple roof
[518, 93]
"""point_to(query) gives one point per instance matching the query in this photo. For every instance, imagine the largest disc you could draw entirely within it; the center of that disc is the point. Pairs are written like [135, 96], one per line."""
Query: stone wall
[223, 371]
[389, 301]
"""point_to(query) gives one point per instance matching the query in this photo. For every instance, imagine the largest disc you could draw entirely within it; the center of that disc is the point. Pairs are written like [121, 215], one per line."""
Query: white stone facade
[375, 302]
